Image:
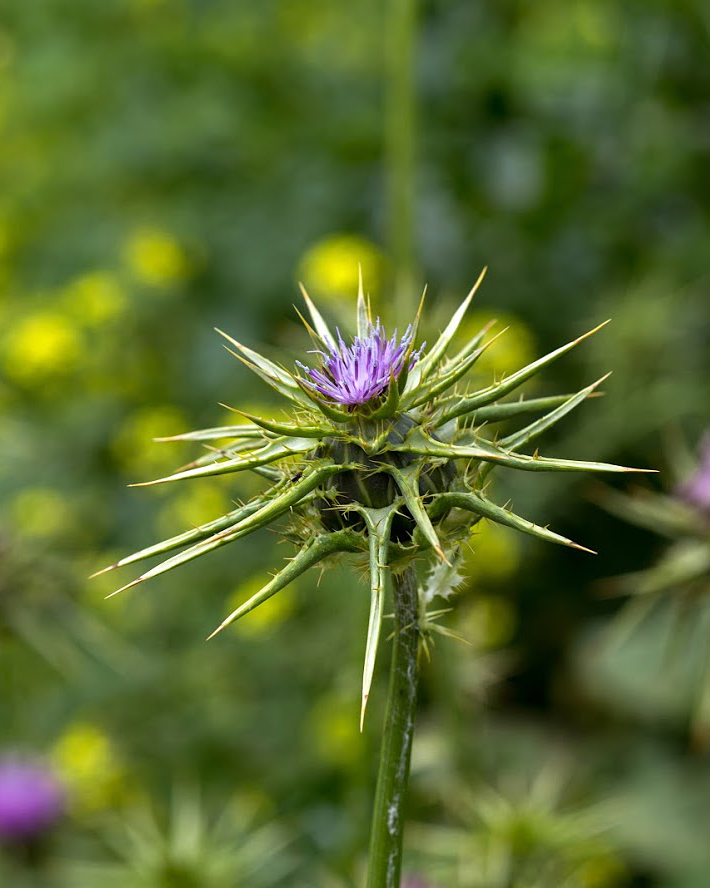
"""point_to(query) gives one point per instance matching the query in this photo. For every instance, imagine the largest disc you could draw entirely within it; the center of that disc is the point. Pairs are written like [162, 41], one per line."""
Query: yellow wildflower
[155, 257]
[41, 347]
[494, 552]
[330, 267]
[86, 761]
[40, 512]
[256, 408]
[95, 297]
[333, 730]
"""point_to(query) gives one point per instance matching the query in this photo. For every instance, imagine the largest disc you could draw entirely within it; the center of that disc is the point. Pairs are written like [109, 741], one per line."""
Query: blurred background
[168, 166]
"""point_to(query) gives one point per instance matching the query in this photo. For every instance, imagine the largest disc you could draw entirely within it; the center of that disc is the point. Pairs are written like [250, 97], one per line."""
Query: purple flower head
[355, 374]
[696, 489]
[31, 800]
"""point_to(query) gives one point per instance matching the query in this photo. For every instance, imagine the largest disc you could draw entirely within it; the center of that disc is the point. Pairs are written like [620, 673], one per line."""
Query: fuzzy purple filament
[31, 801]
[357, 373]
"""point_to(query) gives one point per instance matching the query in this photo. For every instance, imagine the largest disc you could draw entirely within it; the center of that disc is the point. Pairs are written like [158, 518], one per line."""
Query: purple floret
[31, 801]
[357, 373]
[696, 490]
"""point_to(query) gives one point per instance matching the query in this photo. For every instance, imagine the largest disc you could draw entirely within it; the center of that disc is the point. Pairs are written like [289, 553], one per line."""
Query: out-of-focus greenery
[171, 165]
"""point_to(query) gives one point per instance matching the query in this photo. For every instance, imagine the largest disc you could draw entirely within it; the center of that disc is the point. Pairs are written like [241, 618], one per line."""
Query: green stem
[399, 148]
[388, 816]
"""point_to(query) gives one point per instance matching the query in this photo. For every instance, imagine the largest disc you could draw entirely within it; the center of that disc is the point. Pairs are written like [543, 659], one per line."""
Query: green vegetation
[169, 166]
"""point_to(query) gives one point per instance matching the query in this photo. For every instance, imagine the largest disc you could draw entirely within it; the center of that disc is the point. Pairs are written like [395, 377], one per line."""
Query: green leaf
[421, 445]
[498, 390]
[245, 430]
[271, 508]
[657, 512]
[318, 549]
[269, 368]
[474, 343]
[318, 322]
[279, 379]
[407, 480]
[628, 620]
[214, 454]
[498, 412]
[683, 562]
[271, 474]
[379, 525]
[443, 579]
[328, 410]
[291, 394]
[478, 503]
[230, 520]
[448, 378]
[315, 338]
[364, 321]
[406, 361]
[269, 453]
[434, 355]
[283, 428]
[535, 429]
[390, 405]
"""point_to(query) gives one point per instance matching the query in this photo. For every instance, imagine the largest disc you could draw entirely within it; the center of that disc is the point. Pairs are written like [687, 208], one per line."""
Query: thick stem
[388, 815]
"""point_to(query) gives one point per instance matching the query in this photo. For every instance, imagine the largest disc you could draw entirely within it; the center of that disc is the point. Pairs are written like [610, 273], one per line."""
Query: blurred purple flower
[31, 800]
[696, 489]
[416, 882]
[357, 373]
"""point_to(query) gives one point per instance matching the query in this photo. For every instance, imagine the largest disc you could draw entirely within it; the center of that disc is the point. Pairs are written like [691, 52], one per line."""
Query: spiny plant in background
[188, 846]
[675, 589]
[386, 455]
[520, 833]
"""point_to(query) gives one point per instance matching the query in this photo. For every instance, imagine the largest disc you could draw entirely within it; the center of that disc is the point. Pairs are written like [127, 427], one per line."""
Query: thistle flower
[386, 456]
[31, 801]
[353, 375]
[695, 490]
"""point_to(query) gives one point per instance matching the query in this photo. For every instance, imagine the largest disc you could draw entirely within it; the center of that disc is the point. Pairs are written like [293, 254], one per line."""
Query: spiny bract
[385, 456]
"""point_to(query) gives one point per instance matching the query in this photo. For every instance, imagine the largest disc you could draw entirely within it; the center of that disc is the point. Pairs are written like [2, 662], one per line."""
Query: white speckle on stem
[393, 815]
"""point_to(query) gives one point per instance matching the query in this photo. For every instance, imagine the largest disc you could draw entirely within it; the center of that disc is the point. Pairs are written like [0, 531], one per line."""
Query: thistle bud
[371, 484]
[387, 455]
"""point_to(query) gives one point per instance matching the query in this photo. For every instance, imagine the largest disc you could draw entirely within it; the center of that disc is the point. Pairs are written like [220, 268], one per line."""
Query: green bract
[400, 476]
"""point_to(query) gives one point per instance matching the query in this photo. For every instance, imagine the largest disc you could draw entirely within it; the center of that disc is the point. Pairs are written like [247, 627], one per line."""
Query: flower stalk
[395, 753]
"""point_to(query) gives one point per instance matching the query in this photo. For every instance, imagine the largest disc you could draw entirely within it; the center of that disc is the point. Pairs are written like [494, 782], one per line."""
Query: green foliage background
[168, 166]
